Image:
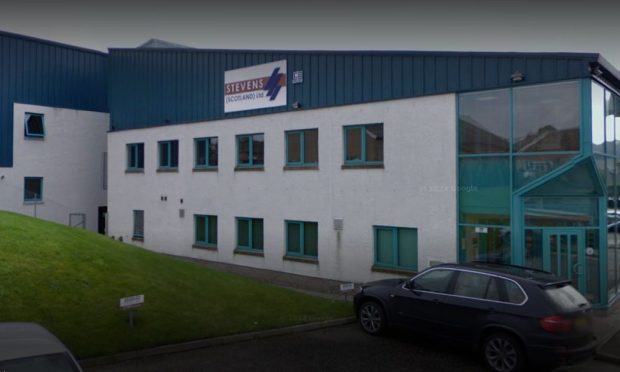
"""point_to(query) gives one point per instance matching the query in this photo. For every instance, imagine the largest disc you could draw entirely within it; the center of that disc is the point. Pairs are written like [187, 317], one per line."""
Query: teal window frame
[363, 145]
[138, 231]
[302, 239]
[27, 131]
[37, 198]
[133, 156]
[395, 264]
[208, 142]
[250, 163]
[168, 144]
[210, 241]
[252, 245]
[302, 148]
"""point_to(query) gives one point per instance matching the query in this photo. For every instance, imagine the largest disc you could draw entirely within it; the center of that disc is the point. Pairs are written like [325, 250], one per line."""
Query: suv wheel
[503, 353]
[372, 318]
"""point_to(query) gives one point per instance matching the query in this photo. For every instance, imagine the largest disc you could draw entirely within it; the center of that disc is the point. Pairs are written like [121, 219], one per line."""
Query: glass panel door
[564, 255]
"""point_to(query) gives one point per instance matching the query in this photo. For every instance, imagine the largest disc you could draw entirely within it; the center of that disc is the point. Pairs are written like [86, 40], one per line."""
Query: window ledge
[387, 270]
[137, 238]
[205, 247]
[362, 166]
[300, 167]
[249, 169]
[167, 170]
[309, 260]
[31, 202]
[204, 169]
[34, 138]
[134, 171]
[249, 253]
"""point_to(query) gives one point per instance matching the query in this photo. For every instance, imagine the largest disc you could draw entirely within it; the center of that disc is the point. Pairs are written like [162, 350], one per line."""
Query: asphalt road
[342, 348]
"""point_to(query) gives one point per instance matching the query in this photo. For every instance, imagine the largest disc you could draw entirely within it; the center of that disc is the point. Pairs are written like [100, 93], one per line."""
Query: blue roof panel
[41, 72]
[186, 85]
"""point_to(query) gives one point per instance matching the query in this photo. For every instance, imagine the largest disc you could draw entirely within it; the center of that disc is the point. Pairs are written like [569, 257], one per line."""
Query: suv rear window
[514, 293]
[566, 298]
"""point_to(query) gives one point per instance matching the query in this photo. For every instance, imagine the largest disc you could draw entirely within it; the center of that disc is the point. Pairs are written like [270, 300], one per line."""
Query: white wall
[416, 188]
[69, 158]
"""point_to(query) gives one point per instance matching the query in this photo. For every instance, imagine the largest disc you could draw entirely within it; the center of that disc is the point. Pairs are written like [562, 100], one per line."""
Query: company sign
[255, 87]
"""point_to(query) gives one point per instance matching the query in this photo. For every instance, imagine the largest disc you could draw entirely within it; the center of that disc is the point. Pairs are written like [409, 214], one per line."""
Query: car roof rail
[491, 263]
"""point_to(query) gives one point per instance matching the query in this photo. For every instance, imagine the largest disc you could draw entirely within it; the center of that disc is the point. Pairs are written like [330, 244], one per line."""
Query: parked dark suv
[513, 315]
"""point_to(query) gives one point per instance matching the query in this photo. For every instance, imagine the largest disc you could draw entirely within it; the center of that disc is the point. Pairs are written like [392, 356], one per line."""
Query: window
[547, 117]
[302, 238]
[135, 157]
[205, 230]
[138, 225]
[250, 150]
[33, 189]
[302, 147]
[205, 152]
[514, 294]
[396, 247]
[250, 234]
[434, 281]
[363, 144]
[476, 286]
[168, 154]
[33, 125]
[484, 122]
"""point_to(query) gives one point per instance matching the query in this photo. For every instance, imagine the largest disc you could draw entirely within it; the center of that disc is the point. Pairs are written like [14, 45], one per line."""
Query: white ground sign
[255, 87]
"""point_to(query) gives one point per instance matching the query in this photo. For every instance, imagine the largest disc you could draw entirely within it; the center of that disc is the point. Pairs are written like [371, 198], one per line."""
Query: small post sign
[346, 288]
[131, 303]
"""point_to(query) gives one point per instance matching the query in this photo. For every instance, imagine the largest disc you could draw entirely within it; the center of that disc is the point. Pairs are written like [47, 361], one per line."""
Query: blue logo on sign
[273, 86]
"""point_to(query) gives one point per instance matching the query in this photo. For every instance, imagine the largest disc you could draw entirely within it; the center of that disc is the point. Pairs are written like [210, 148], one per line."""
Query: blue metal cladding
[151, 87]
[45, 73]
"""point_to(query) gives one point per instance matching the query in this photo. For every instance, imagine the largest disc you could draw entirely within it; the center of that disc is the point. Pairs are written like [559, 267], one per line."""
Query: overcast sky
[498, 25]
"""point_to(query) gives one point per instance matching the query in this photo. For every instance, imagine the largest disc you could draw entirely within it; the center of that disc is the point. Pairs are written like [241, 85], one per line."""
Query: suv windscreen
[566, 298]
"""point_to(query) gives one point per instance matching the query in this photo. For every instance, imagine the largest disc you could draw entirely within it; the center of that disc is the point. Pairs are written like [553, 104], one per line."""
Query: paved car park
[339, 348]
[342, 348]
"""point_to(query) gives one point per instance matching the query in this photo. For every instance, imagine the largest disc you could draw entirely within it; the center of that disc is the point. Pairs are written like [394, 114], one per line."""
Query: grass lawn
[70, 280]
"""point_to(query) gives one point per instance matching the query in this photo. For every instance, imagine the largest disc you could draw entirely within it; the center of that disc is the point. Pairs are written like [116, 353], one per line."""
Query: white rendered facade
[69, 158]
[414, 189]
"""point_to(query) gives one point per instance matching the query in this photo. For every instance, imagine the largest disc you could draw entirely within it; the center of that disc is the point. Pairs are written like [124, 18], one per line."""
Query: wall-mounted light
[517, 76]
[296, 105]
[596, 71]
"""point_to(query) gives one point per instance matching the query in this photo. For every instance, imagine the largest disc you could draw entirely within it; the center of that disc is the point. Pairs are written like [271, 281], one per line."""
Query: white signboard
[344, 287]
[255, 87]
[132, 302]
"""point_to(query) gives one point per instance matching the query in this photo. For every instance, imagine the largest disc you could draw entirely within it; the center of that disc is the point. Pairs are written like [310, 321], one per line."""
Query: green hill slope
[70, 280]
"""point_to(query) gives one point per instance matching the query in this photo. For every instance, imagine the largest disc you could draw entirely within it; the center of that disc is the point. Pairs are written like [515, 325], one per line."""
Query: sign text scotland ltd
[255, 87]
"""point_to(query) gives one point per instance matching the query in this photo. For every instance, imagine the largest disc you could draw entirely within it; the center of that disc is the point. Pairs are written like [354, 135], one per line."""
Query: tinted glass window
[514, 294]
[434, 281]
[484, 122]
[566, 298]
[493, 290]
[547, 117]
[472, 285]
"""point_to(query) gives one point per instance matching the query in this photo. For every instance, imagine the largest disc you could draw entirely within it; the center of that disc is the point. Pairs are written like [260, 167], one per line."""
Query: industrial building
[358, 165]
